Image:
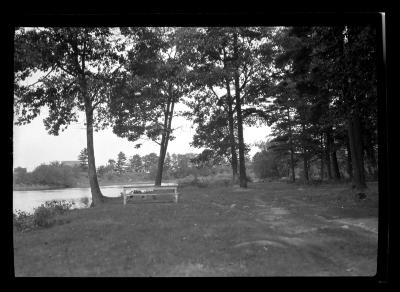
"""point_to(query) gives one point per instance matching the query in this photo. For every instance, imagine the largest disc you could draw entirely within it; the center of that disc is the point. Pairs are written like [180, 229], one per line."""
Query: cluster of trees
[123, 165]
[315, 86]
[323, 105]
[174, 166]
[54, 174]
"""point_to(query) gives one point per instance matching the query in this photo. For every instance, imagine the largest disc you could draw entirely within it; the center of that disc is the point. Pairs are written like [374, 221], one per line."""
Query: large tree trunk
[354, 126]
[327, 155]
[242, 167]
[335, 165]
[305, 165]
[322, 158]
[291, 146]
[370, 155]
[356, 149]
[160, 161]
[165, 138]
[234, 160]
[349, 166]
[97, 196]
[305, 158]
[331, 155]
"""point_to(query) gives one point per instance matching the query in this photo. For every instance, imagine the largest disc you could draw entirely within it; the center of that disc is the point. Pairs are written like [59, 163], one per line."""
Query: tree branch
[247, 77]
[97, 102]
[41, 79]
[64, 69]
[214, 93]
[158, 143]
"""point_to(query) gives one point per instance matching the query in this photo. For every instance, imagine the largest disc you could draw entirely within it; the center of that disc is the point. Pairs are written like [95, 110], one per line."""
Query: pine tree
[83, 158]
[121, 163]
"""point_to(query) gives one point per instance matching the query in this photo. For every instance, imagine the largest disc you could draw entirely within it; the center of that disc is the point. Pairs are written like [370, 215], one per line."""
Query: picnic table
[146, 191]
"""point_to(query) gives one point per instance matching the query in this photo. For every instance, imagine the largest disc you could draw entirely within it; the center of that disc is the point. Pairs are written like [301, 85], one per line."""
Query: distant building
[20, 170]
[71, 163]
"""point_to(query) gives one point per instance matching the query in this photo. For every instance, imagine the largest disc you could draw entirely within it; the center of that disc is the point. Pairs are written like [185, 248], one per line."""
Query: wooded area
[315, 86]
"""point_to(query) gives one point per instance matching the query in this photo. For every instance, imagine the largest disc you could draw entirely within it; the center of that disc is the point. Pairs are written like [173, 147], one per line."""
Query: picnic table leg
[124, 195]
[176, 196]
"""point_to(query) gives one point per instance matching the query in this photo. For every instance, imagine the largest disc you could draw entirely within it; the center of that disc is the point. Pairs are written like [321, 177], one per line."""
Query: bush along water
[22, 221]
[43, 216]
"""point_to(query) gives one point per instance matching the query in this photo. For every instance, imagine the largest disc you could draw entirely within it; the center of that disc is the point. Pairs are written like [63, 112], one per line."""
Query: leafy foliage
[135, 163]
[265, 165]
[64, 56]
[54, 174]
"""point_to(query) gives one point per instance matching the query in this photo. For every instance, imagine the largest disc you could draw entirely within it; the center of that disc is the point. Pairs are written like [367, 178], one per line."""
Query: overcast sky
[33, 145]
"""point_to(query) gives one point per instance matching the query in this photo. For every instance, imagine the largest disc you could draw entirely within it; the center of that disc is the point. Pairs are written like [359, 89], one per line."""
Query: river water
[29, 200]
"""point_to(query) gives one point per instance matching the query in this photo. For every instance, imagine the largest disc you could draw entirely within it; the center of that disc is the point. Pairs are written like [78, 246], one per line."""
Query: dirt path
[332, 245]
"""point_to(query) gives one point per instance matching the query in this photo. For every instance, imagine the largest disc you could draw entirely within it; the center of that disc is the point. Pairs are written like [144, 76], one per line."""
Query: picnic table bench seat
[150, 192]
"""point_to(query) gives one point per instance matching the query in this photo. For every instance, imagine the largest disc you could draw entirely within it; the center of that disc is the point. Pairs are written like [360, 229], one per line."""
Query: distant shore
[80, 185]
[35, 187]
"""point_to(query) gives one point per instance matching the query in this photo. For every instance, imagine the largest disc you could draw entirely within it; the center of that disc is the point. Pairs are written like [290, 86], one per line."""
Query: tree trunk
[165, 138]
[234, 160]
[354, 127]
[372, 164]
[97, 196]
[335, 165]
[291, 146]
[327, 155]
[305, 158]
[160, 161]
[322, 158]
[356, 150]
[331, 155]
[349, 166]
[305, 165]
[242, 167]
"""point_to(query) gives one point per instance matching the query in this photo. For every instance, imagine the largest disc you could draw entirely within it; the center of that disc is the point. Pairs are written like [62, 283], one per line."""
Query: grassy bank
[269, 229]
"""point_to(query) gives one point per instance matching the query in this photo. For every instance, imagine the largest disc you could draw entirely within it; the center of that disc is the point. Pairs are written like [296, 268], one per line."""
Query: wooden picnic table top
[149, 186]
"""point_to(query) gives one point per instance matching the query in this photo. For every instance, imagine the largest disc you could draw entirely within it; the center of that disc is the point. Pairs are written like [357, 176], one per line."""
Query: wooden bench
[145, 191]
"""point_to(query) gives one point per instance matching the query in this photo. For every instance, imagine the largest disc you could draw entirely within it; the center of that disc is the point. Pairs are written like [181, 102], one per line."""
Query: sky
[32, 145]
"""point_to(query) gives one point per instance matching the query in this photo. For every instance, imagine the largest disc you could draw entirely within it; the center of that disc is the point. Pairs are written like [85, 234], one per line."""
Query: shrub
[43, 216]
[199, 183]
[265, 165]
[22, 220]
[59, 207]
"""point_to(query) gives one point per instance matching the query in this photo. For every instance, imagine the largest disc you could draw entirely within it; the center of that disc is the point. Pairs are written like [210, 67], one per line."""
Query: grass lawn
[269, 229]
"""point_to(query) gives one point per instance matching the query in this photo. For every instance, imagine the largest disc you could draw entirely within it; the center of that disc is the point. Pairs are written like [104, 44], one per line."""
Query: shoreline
[36, 188]
[46, 187]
